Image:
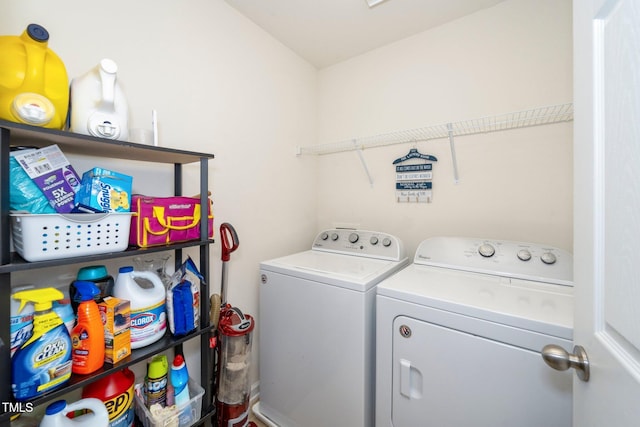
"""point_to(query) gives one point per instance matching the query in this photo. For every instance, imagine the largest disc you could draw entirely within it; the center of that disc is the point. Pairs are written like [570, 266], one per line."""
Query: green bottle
[156, 380]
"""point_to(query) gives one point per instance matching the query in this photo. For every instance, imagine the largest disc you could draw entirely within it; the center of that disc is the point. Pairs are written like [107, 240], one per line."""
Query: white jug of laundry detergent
[98, 105]
[148, 305]
[56, 414]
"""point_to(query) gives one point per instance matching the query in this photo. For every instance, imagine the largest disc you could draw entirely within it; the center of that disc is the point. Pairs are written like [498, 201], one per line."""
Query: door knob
[558, 358]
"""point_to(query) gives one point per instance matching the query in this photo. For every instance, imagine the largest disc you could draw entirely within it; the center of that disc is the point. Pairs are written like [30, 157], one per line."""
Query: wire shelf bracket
[537, 116]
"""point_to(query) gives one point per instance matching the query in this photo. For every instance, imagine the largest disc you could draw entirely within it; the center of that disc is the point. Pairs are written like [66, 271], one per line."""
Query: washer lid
[348, 271]
[534, 306]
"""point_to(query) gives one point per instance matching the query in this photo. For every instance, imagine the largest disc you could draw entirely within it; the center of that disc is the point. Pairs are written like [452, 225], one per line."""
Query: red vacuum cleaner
[233, 347]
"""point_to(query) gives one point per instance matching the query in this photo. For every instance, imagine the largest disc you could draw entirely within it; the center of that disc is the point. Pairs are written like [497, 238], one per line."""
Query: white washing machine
[459, 335]
[317, 329]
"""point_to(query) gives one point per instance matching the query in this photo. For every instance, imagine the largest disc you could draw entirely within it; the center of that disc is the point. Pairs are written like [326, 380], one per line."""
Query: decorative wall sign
[413, 179]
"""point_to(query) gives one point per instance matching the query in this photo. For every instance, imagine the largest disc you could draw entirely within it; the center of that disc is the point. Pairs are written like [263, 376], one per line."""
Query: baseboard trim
[255, 393]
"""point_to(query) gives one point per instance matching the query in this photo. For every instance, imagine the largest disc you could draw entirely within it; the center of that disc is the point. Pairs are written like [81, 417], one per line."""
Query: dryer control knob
[324, 236]
[524, 255]
[386, 242]
[353, 237]
[548, 258]
[486, 250]
[373, 240]
[334, 236]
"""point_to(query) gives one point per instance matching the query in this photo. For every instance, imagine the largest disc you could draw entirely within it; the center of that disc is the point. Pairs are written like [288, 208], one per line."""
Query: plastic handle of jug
[95, 405]
[150, 276]
[36, 55]
[108, 70]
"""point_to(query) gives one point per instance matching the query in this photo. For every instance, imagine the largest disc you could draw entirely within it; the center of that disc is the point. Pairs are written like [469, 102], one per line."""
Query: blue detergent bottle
[43, 362]
[180, 383]
[180, 380]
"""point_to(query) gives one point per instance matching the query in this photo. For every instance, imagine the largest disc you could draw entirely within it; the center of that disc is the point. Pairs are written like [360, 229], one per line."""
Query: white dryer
[459, 335]
[317, 329]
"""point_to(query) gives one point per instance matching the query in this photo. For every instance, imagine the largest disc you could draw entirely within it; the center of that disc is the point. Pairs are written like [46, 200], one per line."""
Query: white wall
[220, 85]
[513, 185]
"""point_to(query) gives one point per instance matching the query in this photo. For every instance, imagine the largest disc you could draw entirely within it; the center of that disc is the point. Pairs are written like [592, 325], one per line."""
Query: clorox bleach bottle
[34, 87]
[98, 105]
[56, 414]
[148, 305]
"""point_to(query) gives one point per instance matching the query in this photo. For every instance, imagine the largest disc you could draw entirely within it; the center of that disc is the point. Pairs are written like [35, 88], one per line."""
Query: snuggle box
[165, 220]
[103, 190]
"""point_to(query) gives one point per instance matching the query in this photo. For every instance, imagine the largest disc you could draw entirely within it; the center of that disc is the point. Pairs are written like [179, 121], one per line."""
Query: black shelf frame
[17, 263]
[16, 134]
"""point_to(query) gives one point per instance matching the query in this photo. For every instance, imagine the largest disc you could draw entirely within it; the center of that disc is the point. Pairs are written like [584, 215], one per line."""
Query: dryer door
[444, 377]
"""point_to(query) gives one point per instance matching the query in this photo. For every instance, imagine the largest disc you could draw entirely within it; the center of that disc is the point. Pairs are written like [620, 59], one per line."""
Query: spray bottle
[87, 337]
[43, 362]
[21, 321]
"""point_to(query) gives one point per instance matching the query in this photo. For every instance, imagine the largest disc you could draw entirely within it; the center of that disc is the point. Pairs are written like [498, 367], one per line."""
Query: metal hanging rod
[534, 117]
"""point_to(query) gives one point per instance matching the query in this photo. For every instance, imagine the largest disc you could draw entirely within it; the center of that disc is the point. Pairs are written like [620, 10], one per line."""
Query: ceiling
[325, 32]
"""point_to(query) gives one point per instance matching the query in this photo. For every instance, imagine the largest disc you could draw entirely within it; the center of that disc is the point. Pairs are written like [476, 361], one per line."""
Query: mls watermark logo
[17, 407]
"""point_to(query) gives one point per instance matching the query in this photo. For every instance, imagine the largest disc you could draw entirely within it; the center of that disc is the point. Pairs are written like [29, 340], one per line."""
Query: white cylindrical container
[148, 305]
[98, 105]
[56, 414]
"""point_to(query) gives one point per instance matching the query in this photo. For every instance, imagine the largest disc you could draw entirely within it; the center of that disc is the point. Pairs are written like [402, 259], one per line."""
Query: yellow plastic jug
[34, 86]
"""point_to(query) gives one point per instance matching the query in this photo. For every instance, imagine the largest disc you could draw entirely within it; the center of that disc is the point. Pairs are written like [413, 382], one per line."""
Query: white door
[607, 210]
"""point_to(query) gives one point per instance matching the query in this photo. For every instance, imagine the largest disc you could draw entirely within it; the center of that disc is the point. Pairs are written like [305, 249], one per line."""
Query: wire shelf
[521, 119]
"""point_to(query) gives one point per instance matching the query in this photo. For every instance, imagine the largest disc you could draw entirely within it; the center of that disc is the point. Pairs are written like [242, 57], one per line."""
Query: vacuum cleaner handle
[229, 240]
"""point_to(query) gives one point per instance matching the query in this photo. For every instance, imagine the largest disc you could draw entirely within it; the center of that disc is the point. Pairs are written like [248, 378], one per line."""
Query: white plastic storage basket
[183, 416]
[40, 237]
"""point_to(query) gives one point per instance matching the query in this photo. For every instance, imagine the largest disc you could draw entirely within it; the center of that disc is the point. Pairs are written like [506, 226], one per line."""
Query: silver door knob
[558, 358]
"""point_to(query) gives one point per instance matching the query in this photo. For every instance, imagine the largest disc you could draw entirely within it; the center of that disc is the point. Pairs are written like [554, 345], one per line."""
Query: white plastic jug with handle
[56, 414]
[148, 305]
[98, 105]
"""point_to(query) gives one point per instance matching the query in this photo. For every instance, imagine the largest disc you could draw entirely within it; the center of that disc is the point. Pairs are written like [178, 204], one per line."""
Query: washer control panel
[372, 244]
[528, 261]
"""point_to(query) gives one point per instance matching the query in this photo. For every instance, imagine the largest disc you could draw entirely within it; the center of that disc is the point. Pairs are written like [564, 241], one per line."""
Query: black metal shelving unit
[15, 134]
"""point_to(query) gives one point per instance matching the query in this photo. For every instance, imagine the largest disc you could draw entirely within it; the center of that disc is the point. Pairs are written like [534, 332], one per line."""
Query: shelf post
[5, 278]
[206, 369]
[364, 164]
[5, 151]
[177, 191]
[453, 153]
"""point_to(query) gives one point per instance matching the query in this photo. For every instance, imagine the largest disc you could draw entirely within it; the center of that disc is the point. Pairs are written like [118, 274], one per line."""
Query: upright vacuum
[232, 348]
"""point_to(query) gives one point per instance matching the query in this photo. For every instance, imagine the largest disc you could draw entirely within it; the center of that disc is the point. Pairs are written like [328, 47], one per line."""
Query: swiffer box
[103, 190]
[50, 170]
[116, 317]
